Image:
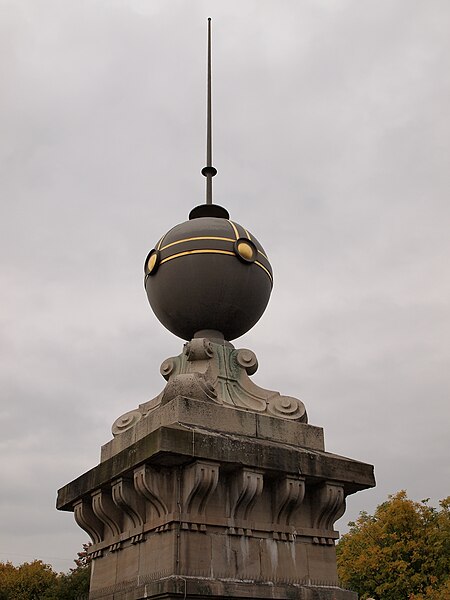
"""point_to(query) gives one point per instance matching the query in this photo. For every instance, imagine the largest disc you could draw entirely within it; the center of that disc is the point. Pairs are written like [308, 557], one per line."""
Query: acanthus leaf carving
[147, 485]
[87, 520]
[189, 385]
[289, 495]
[199, 482]
[217, 373]
[246, 486]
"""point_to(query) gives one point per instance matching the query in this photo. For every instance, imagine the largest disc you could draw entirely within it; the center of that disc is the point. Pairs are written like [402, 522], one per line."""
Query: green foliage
[38, 581]
[29, 581]
[74, 585]
[402, 552]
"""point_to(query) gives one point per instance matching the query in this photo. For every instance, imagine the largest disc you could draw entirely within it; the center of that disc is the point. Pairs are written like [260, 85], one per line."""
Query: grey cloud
[331, 137]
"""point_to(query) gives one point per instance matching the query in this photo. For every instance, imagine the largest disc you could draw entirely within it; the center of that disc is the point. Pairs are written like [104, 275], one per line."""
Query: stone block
[290, 432]
[321, 558]
[194, 544]
[104, 572]
[224, 558]
[157, 555]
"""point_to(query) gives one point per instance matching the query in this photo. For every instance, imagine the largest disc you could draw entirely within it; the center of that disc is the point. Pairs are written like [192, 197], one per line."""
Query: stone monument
[216, 488]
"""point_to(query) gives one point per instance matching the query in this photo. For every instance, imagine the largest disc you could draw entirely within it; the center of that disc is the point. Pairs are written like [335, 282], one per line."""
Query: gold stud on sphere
[246, 250]
[152, 262]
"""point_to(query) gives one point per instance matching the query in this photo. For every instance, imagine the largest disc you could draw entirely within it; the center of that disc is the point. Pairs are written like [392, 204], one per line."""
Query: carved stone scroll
[126, 499]
[86, 519]
[146, 484]
[218, 373]
[329, 504]
[108, 513]
[199, 482]
[198, 349]
[289, 495]
[126, 421]
[247, 485]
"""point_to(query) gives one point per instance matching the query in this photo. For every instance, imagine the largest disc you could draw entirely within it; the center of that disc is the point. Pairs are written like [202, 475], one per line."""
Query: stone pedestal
[198, 495]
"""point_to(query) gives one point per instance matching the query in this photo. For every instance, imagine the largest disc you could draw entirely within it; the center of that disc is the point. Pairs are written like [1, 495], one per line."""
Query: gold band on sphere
[202, 251]
[194, 239]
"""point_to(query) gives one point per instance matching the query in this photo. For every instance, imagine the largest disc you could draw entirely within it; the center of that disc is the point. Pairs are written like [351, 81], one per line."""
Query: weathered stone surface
[210, 491]
[176, 587]
[177, 445]
[248, 514]
[213, 417]
[212, 373]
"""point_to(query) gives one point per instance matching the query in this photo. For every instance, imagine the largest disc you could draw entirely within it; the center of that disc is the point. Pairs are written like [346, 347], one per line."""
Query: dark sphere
[208, 273]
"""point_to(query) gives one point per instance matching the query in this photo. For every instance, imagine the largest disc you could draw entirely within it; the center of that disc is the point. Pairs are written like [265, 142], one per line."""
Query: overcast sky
[332, 142]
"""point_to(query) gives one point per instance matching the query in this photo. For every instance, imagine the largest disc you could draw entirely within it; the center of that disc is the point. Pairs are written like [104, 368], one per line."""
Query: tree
[83, 558]
[75, 584]
[38, 581]
[402, 552]
[29, 581]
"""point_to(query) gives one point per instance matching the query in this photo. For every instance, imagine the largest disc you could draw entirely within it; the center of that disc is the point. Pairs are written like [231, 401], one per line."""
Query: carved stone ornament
[217, 373]
[246, 486]
[200, 481]
[290, 493]
[329, 502]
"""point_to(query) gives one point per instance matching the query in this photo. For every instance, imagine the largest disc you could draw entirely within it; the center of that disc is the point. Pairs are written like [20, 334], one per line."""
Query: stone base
[190, 587]
[215, 488]
[235, 514]
[214, 553]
